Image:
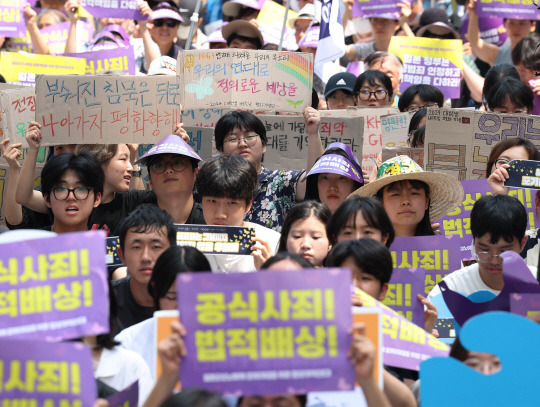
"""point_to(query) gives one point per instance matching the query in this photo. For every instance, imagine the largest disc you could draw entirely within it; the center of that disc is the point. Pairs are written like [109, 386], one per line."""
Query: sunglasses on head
[170, 23]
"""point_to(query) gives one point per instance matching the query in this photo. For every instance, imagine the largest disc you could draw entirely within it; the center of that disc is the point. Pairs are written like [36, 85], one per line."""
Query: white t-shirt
[141, 338]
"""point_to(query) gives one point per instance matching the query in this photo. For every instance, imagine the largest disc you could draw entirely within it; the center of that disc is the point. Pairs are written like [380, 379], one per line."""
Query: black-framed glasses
[366, 94]
[414, 109]
[500, 161]
[62, 193]
[169, 22]
[250, 140]
[160, 166]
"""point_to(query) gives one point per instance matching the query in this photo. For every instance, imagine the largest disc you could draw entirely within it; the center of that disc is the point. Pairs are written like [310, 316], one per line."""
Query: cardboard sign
[523, 174]
[513, 338]
[458, 142]
[245, 79]
[128, 397]
[404, 343]
[106, 109]
[117, 59]
[12, 22]
[525, 304]
[41, 373]
[395, 129]
[113, 9]
[287, 138]
[54, 288]
[518, 9]
[430, 61]
[458, 222]
[17, 110]
[371, 8]
[23, 68]
[213, 239]
[253, 333]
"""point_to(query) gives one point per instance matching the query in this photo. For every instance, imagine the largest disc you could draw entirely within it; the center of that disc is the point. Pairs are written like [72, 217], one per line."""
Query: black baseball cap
[342, 80]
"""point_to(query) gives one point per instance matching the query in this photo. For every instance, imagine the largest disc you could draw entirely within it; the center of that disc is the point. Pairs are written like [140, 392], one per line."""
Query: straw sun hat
[446, 192]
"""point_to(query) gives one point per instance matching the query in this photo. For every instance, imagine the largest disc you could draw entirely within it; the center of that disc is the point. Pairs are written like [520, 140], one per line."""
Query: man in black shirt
[146, 233]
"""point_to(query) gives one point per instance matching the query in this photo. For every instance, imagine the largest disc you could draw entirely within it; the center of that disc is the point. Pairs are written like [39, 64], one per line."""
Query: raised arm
[11, 153]
[25, 192]
[404, 14]
[475, 82]
[312, 118]
[151, 51]
[483, 50]
[38, 43]
[71, 7]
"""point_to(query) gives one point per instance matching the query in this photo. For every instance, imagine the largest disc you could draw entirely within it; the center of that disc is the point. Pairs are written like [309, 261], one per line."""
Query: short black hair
[525, 52]
[302, 399]
[245, 121]
[174, 260]
[302, 210]
[428, 93]
[372, 211]
[370, 255]
[286, 256]
[312, 189]
[84, 164]
[512, 89]
[227, 176]
[194, 397]
[146, 218]
[374, 77]
[253, 40]
[501, 216]
[418, 137]
[416, 119]
[495, 74]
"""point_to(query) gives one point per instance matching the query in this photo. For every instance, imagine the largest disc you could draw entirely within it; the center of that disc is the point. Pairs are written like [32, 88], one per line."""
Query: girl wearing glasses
[72, 186]
[372, 89]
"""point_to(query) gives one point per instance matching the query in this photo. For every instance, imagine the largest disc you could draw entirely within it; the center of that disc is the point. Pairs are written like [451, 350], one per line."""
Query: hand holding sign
[522, 174]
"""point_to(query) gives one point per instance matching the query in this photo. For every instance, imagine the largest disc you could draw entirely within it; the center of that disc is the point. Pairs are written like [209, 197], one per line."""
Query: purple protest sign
[126, 398]
[355, 67]
[113, 9]
[373, 8]
[525, 304]
[56, 35]
[54, 288]
[458, 222]
[257, 333]
[12, 23]
[405, 344]
[43, 373]
[436, 255]
[492, 30]
[520, 9]
[115, 59]
[517, 279]
[404, 285]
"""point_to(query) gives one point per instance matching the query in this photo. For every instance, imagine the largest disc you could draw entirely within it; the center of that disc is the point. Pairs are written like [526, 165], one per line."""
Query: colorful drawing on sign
[12, 22]
[50, 287]
[523, 174]
[43, 373]
[216, 239]
[515, 9]
[458, 222]
[245, 79]
[511, 338]
[255, 334]
[112, 257]
[431, 62]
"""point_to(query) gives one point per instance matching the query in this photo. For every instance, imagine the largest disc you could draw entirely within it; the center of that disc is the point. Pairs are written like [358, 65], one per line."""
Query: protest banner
[121, 59]
[458, 142]
[113, 9]
[372, 8]
[54, 288]
[431, 62]
[12, 22]
[525, 304]
[215, 239]
[491, 29]
[255, 334]
[417, 154]
[518, 9]
[128, 397]
[287, 138]
[403, 287]
[46, 374]
[523, 174]
[458, 222]
[245, 79]
[106, 109]
[270, 23]
[112, 258]
[17, 110]
[23, 68]
[405, 344]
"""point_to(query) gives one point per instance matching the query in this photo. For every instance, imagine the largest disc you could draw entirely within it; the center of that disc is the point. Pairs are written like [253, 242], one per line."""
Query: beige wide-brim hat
[243, 28]
[446, 192]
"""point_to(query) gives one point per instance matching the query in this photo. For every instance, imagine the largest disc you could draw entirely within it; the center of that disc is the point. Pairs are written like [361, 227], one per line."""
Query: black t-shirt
[129, 311]
[196, 216]
[107, 216]
[31, 220]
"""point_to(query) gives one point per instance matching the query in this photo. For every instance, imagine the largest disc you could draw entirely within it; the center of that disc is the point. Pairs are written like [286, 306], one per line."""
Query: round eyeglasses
[250, 140]
[366, 94]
